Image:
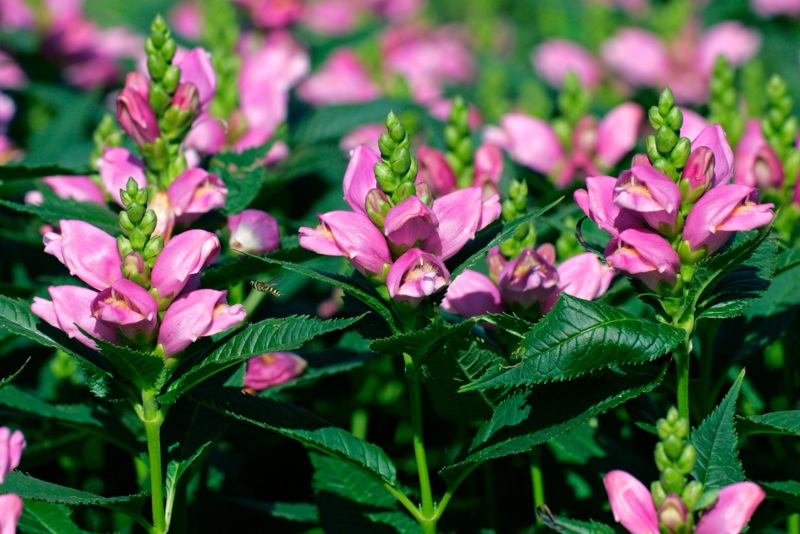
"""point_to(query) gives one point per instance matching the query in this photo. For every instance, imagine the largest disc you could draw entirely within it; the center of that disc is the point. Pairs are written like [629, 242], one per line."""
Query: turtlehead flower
[773, 8]
[70, 311]
[650, 193]
[272, 369]
[127, 306]
[556, 58]
[757, 164]
[134, 113]
[197, 314]
[80, 188]
[471, 294]
[196, 69]
[254, 232]
[416, 275]
[10, 510]
[88, 252]
[195, 192]
[116, 166]
[11, 445]
[645, 255]
[342, 78]
[179, 264]
[530, 277]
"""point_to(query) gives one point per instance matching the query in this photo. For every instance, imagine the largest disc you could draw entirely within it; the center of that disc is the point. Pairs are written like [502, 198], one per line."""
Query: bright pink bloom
[529, 141]
[471, 294]
[416, 275]
[254, 232]
[116, 166]
[583, 276]
[10, 511]
[556, 58]
[207, 136]
[187, 19]
[699, 171]
[733, 509]
[88, 252]
[645, 255]
[197, 70]
[639, 56]
[179, 264]
[409, 223]
[597, 202]
[272, 13]
[631, 503]
[651, 193]
[757, 165]
[460, 215]
[187, 98]
[714, 138]
[197, 314]
[721, 212]
[435, 171]
[11, 445]
[127, 306]
[342, 78]
[617, 133]
[165, 214]
[772, 8]
[359, 178]
[195, 192]
[134, 112]
[332, 17]
[730, 39]
[528, 278]
[693, 123]
[272, 369]
[488, 168]
[70, 311]
[80, 188]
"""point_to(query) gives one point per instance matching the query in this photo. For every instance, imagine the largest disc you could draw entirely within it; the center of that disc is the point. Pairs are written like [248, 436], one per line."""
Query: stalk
[152, 418]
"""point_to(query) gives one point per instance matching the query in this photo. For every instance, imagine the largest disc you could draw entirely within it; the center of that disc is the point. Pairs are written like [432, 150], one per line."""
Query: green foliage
[46, 518]
[141, 369]
[784, 423]
[419, 344]
[243, 174]
[571, 526]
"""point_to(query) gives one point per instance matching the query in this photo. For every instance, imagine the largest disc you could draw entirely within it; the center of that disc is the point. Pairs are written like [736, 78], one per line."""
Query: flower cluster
[674, 206]
[398, 233]
[11, 445]
[672, 502]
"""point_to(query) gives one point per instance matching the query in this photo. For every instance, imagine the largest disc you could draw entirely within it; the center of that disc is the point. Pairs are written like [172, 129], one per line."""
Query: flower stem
[682, 355]
[152, 418]
[793, 524]
[428, 517]
[537, 480]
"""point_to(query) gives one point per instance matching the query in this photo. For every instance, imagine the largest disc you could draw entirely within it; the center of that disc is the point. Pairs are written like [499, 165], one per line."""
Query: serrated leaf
[28, 171]
[224, 272]
[476, 249]
[55, 208]
[511, 412]
[419, 344]
[577, 446]
[571, 526]
[784, 292]
[742, 287]
[715, 440]
[242, 173]
[349, 286]
[786, 423]
[557, 408]
[787, 491]
[578, 337]
[301, 425]
[270, 335]
[46, 518]
[7, 380]
[143, 370]
[509, 323]
[301, 512]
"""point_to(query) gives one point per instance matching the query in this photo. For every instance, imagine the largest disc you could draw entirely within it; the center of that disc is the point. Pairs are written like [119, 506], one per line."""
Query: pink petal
[631, 503]
[735, 504]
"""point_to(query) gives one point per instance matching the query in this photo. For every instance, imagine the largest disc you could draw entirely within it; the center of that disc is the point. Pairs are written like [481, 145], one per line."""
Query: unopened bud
[135, 213]
[652, 150]
[672, 514]
[656, 120]
[377, 206]
[665, 167]
[680, 154]
[699, 498]
[152, 249]
[665, 140]
[674, 119]
[133, 263]
[171, 78]
[168, 49]
[138, 239]
[464, 150]
[148, 222]
[159, 99]
[665, 101]
[124, 246]
[672, 480]
[386, 145]
[687, 459]
[424, 193]
[126, 225]
[401, 161]
[156, 66]
[385, 177]
[404, 190]
[662, 459]
[689, 256]
[658, 493]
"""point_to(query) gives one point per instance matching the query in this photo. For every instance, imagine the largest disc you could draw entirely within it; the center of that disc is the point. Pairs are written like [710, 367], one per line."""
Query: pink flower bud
[343, 78]
[116, 166]
[529, 141]
[10, 511]
[88, 252]
[471, 294]
[645, 255]
[617, 133]
[181, 261]
[359, 178]
[699, 170]
[187, 98]
[134, 112]
[410, 223]
[165, 214]
[80, 188]
[672, 514]
[272, 369]
[127, 306]
[721, 212]
[197, 314]
[527, 279]
[254, 232]
[733, 509]
[647, 191]
[416, 275]
[435, 171]
[597, 203]
[196, 69]
[488, 168]
[71, 309]
[714, 138]
[195, 192]
[11, 445]
[631, 503]
[757, 165]
[556, 58]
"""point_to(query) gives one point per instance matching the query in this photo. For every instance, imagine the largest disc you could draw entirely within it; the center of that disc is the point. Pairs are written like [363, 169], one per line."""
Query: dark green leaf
[787, 491]
[577, 446]
[578, 337]
[298, 424]
[556, 408]
[784, 292]
[571, 526]
[419, 344]
[10, 172]
[243, 174]
[293, 511]
[7, 380]
[249, 268]
[47, 518]
[53, 211]
[143, 370]
[715, 440]
[270, 335]
[786, 423]
[511, 324]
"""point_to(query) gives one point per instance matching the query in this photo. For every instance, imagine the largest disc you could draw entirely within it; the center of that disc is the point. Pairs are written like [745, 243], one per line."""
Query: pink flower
[460, 214]
[556, 58]
[70, 311]
[529, 141]
[733, 509]
[272, 13]
[127, 306]
[597, 202]
[645, 255]
[639, 56]
[165, 214]
[409, 223]
[528, 278]
[272, 369]
[342, 78]
[757, 165]
[180, 262]
[134, 112]
[435, 171]
[10, 511]
[631, 503]
[187, 19]
[583, 276]
[332, 17]
[197, 70]
[116, 166]
[11, 445]
[617, 133]
[488, 168]
[254, 232]
[359, 178]
[15, 14]
[88, 252]
[698, 174]
[197, 314]
[772, 8]
[721, 212]
[207, 136]
[80, 188]
[471, 294]
[647, 191]
[195, 192]
[416, 275]
[714, 138]
[730, 39]
[11, 75]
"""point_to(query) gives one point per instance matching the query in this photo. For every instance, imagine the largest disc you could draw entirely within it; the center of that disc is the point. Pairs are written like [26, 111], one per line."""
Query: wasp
[266, 287]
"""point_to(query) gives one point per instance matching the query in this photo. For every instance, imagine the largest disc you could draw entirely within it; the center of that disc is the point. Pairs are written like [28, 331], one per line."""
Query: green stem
[427, 519]
[152, 418]
[682, 358]
[793, 524]
[537, 480]
[252, 301]
[452, 489]
[358, 423]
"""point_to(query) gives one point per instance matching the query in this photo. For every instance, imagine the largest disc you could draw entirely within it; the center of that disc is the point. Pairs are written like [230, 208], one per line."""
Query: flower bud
[665, 167]
[148, 223]
[156, 66]
[152, 249]
[693, 491]
[674, 119]
[385, 177]
[686, 460]
[187, 98]
[665, 101]
[655, 118]
[672, 514]
[424, 193]
[661, 457]
[377, 206]
[138, 239]
[136, 270]
[135, 213]
[665, 140]
[386, 144]
[124, 246]
[658, 493]
[680, 154]
[673, 446]
[125, 223]
[401, 161]
[403, 191]
[652, 150]
[171, 79]
[672, 480]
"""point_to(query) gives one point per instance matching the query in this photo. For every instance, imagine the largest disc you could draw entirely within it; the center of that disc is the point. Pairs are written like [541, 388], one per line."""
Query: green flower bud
[412, 169]
[171, 79]
[665, 140]
[687, 459]
[657, 490]
[509, 210]
[652, 150]
[124, 246]
[706, 498]
[156, 66]
[126, 225]
[159, 99]
[666, 167]
[691, 492]
[672, 480]
[401, 161]
[687, 255]
[386, 145]
[168, 49]
[135, 213]
[655, 118]
[377, 206]
[673, 416]
[150, 47]
[681, 427]
[138, 239]
[152, 249]
[385, 177]
[451, 136]
[680, 154]
[665, 101]
[465, 150]
[674, 119]
[662, 459]
[673, 446]
[404, 190]
[148, 222]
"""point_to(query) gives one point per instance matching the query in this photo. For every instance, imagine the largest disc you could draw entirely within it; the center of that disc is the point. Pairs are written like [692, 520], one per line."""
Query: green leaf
[419, 344]
[476, 249]
[248, 268]
[348, 285]
[715, 440]
[270, 335]
[509, 323]
[54, 209]
[243, 174]
[555, 408]
[786, 423]
[351, 502]
[577, 446]
[571, 526]
[744, 285]
[301, 512]
[784, 292]
[46, 518]
[300, 425]
[143, 370]
[712, 270]
[578, 337]
[7, 380]
[787, 491]
[23, 171]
